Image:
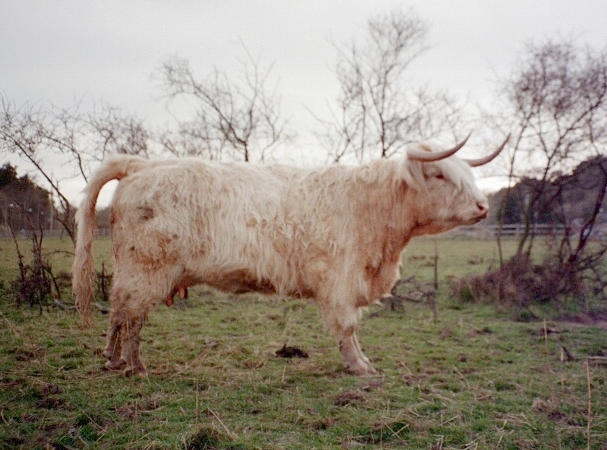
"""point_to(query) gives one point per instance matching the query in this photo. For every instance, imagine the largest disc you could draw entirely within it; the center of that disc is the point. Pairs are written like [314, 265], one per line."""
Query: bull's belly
[243, 281]
[240, 282]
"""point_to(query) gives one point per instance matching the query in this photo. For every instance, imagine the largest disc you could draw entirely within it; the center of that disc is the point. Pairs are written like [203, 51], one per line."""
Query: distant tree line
[568, 199]
[26, 206]
[23, 204]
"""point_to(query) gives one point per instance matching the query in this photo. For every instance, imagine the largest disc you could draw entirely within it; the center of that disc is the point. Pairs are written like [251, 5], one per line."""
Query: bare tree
[32, 135]
[558, 98]
[582, 262]
[116, 131]
[49, 139]
[377, 113]
[234, 119]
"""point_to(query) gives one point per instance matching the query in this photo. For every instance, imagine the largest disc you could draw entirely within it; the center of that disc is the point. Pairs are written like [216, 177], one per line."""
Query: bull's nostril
[482, 207]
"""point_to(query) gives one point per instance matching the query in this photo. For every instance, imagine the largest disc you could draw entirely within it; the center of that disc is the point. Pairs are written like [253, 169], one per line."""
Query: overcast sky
[106, 51]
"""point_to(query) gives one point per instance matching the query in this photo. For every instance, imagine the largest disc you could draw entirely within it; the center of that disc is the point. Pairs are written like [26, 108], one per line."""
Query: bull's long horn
[418, 155]
[486, 159]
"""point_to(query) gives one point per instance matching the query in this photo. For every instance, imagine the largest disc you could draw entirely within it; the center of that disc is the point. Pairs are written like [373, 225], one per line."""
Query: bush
[521, 283]
[34, 284]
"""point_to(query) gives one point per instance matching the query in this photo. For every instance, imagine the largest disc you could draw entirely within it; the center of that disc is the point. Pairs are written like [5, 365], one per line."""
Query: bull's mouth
[476, 219]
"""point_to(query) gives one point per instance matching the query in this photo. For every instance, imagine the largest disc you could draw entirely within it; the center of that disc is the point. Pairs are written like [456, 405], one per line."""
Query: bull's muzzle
[482, 209]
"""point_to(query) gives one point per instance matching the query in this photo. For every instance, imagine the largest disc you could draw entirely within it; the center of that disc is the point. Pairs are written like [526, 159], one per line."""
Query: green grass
[456, 257]
[472, 379]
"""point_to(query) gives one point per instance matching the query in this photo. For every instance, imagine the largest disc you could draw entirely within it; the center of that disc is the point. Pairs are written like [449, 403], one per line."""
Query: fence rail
[510, 230]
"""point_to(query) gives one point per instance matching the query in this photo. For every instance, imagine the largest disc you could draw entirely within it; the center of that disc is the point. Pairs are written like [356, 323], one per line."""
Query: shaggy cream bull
[333, 234]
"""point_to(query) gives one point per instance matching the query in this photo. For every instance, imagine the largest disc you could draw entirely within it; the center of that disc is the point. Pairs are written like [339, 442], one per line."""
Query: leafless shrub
[35, 282]
[520, 282]
[103, 284]
[409, 289]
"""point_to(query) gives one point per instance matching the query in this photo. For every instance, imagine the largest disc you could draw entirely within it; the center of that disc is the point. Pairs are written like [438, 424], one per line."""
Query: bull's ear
[417, 155]
[488, 158]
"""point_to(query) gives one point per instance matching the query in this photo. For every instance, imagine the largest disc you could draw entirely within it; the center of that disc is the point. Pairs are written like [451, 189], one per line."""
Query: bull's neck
[388, 206]
[403, 217]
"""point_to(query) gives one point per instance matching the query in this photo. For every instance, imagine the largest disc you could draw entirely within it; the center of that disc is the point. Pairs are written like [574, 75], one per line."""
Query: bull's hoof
[134, 371]
[117, 364]
[361, 369]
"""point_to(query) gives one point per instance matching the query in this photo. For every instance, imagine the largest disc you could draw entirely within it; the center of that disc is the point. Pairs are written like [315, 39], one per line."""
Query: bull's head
[448, 196]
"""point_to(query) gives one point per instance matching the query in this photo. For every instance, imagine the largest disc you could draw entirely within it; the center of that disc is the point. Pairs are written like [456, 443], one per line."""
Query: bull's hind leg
[113, 348]
[130, 346]
[127, 315]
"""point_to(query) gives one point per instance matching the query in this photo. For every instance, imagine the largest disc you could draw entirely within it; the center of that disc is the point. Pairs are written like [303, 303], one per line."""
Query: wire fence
[5, 233]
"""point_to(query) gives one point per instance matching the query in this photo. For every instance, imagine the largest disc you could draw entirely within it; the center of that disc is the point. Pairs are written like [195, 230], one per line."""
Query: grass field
[473, 379]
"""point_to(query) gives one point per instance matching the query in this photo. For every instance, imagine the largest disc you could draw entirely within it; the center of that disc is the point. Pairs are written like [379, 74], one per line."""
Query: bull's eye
[440, 176]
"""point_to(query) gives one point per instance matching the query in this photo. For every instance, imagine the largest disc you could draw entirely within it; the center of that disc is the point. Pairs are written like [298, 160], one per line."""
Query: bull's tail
[83, 269]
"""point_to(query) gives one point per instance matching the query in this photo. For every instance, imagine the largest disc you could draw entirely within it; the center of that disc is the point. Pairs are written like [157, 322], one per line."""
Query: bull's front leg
[342, 321]
[354, 359]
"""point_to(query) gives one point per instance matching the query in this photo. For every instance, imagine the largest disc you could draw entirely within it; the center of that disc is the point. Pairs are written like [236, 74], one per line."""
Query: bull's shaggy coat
[333, 234]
